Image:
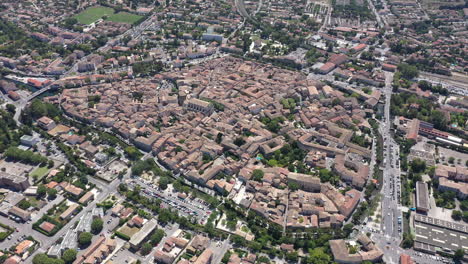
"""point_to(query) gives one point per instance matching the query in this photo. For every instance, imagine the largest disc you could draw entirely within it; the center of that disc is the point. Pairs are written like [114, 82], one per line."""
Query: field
[39, 173]
[92, 14]
[124, 17]
[128, 231]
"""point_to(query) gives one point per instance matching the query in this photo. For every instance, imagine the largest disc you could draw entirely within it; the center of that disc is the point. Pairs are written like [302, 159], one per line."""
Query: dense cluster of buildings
[189, 121]
[314, 205]
[367, 251]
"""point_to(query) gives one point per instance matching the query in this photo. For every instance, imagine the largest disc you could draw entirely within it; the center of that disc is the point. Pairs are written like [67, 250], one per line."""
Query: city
[233, 131]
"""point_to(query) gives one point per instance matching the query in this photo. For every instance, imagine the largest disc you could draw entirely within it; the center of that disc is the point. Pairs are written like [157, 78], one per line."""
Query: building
[28, 140]
[406, 259]
[137, 239]
[198, 105]
[456, 173]
[46, 123]
[20, 213]
[47, 226]
[212, 37]
[115, 211]
[15, 182]
[163, 257]
[305, 182]
[23, 246]
[369, 251]
[97, 252]
[422, 197]
[460, 188]
[326, 68]
[73, 190]
[67, 214]
[205, 257]
[432, 234]
[86, 198]
[389, 67]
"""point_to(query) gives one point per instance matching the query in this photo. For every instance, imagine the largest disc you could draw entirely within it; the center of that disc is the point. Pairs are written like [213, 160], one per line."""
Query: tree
[459, 254]
[408, 240]
[163, 182]
[418, 165]
[318, 256]
[132, 152]
[42, 258]
[408, 71]
[52, 193]
[146, 248]
[41, 190]
[96, 226]
[69, 255]
[257, 175]
[157, 236]
[11, 108]
[84, 239]
[456, 215]
[293, 186]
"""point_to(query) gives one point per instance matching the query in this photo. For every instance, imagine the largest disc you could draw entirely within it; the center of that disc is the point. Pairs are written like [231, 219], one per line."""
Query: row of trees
[25, 156]
[68, 256]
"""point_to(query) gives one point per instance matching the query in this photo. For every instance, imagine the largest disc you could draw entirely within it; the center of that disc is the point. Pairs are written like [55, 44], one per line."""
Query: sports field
[92, 14]
[124, 17]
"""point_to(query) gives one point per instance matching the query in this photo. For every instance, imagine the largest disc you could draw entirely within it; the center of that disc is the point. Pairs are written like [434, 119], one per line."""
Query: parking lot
[196, 208]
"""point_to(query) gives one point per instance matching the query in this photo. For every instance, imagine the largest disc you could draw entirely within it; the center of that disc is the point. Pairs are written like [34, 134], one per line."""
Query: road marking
[455, 245]
[418, 235]
[438, 231]
[452, 234]
[440, 241]
[420, 226]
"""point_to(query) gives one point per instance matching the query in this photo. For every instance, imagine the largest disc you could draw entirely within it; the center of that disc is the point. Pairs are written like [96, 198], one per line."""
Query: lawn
[128, 231]
[92, 14]
[39, 173]
[124, 17]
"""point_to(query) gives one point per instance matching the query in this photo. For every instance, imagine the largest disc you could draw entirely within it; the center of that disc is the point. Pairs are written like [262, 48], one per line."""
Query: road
[390, 238]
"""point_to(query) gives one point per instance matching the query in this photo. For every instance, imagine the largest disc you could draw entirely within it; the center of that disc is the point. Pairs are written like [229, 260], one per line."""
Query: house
[23, 246]
[163, 257]
[67, 214]
[97, 252]
[73, 190]
[47, 226]
[389, 67]
[326, 68]
[18, 212]
[136, 221]
[137, 239]
[115, 211]
[46, 123]
[86, 198]
[28, 140]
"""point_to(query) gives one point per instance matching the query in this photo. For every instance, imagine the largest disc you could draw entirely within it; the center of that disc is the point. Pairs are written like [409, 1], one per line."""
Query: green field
[92, 14]
[124, 17]
[39, 173]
